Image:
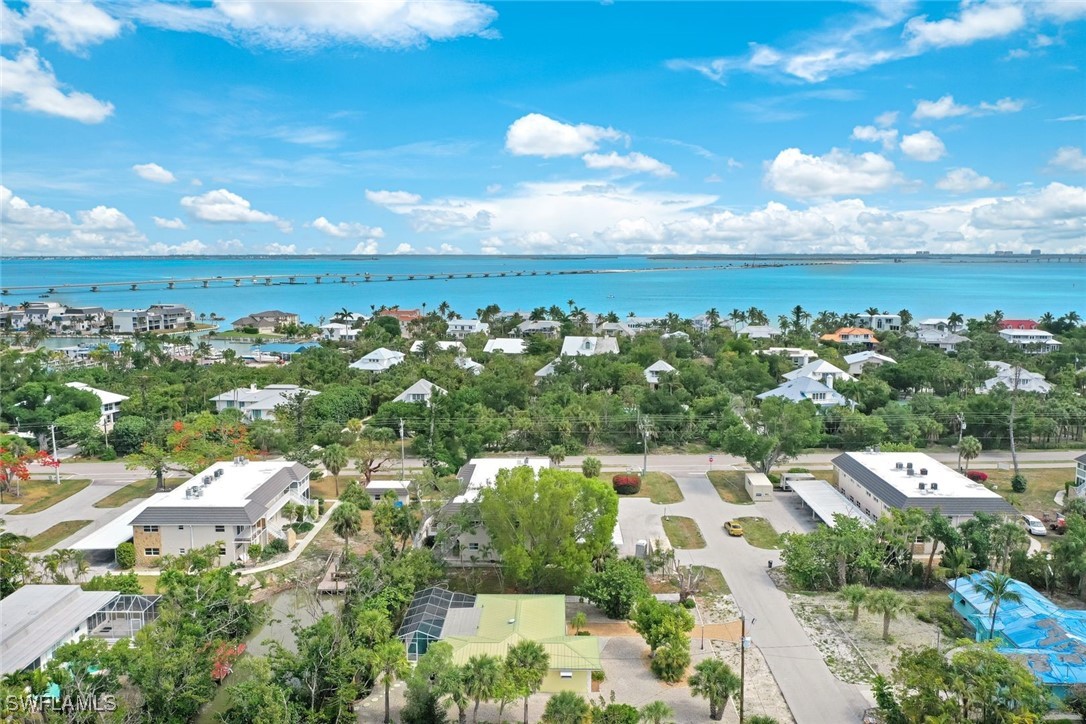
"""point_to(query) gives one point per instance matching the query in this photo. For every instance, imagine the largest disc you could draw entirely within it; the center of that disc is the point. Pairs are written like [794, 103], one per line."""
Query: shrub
[616, 714]
[274, 548]
[250, 330]
[598, 675]
[256, 551]
[126, 555]
[590, 467]
[1018, 483]
[670, 662]
[626, 484]
[320, 507]
[108, 454]
[798, 470]
[302, 528]
[688, 603]
[977, 476]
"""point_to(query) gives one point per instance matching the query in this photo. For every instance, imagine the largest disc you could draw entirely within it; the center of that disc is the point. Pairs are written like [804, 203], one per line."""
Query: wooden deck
[334, 581]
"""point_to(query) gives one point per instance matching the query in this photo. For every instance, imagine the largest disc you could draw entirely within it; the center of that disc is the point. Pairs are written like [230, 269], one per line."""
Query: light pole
[401, 450]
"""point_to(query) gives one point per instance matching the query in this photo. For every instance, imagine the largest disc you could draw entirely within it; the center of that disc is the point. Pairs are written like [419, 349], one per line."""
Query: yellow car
[733, 528]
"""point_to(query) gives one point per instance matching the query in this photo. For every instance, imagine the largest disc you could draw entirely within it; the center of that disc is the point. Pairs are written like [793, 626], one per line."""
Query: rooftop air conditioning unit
[923, 471]
[219, 472]
[899, 466]
[922, 486]
[908, 471]
[935, 486]
[908, 466]
[206, 480]
[188, 492]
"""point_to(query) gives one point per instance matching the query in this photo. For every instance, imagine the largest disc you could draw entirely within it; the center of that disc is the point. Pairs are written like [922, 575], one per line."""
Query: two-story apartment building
[881, 322]
[461, 328]
[257, 403]
[231, 505]
[156, 318]
[111, 403]
[338, 332]
[1031, 341]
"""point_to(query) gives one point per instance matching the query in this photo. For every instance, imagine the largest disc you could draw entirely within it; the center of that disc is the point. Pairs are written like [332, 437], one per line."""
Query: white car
[1034, 526]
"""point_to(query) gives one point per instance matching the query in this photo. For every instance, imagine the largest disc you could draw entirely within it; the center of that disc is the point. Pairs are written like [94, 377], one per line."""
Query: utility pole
[961, 431]
[401, 450]
[642, 427]
[742, 664]
[56, 459]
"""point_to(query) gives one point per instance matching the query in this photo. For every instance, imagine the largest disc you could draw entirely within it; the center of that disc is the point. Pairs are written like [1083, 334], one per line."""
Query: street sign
[710, 458]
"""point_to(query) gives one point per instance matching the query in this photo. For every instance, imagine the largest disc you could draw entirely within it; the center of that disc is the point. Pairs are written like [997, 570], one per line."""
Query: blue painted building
[1048, 639]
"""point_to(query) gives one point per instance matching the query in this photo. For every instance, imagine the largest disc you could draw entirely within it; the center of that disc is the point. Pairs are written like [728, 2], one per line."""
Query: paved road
[811, 690]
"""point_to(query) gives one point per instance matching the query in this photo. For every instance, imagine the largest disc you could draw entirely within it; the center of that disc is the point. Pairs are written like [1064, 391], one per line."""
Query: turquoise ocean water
[927, 287]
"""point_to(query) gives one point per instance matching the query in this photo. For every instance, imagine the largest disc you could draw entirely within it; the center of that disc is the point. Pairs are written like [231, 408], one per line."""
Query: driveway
[812, 692]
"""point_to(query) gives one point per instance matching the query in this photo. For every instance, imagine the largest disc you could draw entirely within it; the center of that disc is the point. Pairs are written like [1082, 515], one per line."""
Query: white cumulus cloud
[976, 22]
[838, 173]
[630, 163]
[346, 229]
[1070, 158]
[27, 228]
[365, 247]
[282, 249]
[154, 172]
[404, 248]
[173, 223]
[945, 107]
[886, 136]
[73, 24]
[963, 180]
[194, 246]
[30, 85]
[392, 198]
[222, 207]
[923, 146]
[538, 135]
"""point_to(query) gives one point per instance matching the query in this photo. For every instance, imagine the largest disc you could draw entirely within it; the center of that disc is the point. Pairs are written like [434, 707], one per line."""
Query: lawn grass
[1042, 484]
[712, 581]
[759, 533]
[660, 488]
[51, 536]
[729, 485]
[39, 495]
[148, 584]
[326, 486]
[683, 532]
[140, 489]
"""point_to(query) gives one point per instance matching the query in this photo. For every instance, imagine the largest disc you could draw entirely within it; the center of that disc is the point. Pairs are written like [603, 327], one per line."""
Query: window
[220, 529]
[150, 529]
[181, 551]
[222, 550]
[473, 546]
[180, 527]
[150, 551]
[567, 674]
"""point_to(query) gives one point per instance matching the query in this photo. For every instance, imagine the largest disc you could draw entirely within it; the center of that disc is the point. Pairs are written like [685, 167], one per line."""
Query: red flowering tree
[15, 467]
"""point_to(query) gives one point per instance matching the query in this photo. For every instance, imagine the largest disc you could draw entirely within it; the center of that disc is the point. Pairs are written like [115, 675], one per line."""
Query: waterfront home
[419, 345]
[505, 345]
[284, 351]
[230, 505]
[945, 341]
[852, 335]
[36, 620]
[402, 315]
[819, 370]
[420, 392]
[807, 388]
[338, 332]
[799, 356]
[156, 318]
[461, 328]
[265, 322]
[1025, 324]
[655, 370]
[588, 346]
[378, 360]
[880, 481]
[859, 362]
[542, 327]
[110, 403]
[1031, 341]
[257, 403]
[1013, 377]
[81, 319]
[881, 322]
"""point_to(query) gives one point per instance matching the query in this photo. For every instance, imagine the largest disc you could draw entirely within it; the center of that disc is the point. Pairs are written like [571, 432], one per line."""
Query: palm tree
[526, 663]
[1072, 317]
[714, 680]
[738, 315]
[854, 594]
[538, 314]
[443, 309]
[955, 321]
[567, 708]
[956, 562]
[712, 316]
[800, 317]
[969, 448]
[388, 661]
[334, 459]
[887, 602]
[871, 311]
[1046, 320]
[996, 588]
[482, 676]
[656, 712]
[346, 521]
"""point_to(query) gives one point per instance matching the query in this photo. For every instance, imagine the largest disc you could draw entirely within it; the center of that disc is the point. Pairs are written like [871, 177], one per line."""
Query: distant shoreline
[902, 257]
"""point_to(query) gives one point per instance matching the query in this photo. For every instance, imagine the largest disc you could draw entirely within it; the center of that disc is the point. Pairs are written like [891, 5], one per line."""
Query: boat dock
[335, 581]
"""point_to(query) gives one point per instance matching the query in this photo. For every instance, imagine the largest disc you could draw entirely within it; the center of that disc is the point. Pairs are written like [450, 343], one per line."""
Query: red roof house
[1017, 324]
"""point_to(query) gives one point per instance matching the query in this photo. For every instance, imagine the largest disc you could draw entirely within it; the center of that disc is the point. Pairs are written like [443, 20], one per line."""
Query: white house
[615, 329]
[1015, 377]
[639, 324]
[421, 392]
[821, 371]
[758, 331]
[1032, 341]
[1080, 474]
[257, 403]
[156, 318]
[800, 357]
[338, 332]
[588, 346]
[807, 388]
[945, 341]
[505, 345]
[547, 370]
[881, 322]
[543, 327]
[461, 328]
[230, 504]
[860, 361]
[657, 368]
[939, 324]
[878, 481]
[378, 360]
[111, 403]
[470, 365]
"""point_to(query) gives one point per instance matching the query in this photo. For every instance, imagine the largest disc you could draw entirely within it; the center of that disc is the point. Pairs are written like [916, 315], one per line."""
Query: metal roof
[826, 501]
[36, 618]
[1081, 459]
[116, 531]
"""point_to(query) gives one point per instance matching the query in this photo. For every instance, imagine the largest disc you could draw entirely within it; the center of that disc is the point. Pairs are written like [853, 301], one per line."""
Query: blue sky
[508, 128]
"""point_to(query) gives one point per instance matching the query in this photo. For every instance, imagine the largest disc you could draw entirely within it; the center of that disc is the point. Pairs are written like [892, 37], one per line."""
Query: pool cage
[426, 616]
[123, 616]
